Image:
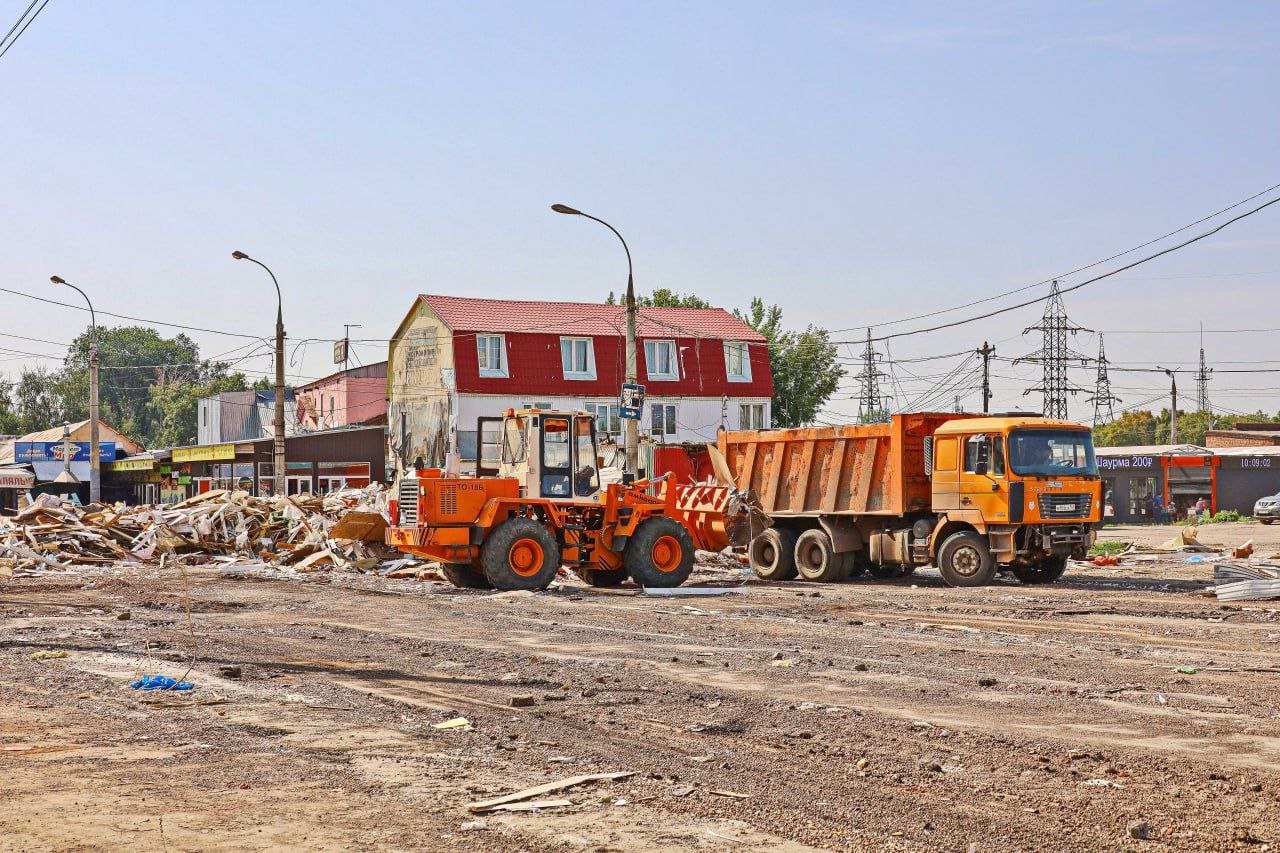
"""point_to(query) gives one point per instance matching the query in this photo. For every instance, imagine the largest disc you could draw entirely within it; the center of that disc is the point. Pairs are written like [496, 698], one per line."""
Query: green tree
[806, 370]
[664, 298]
[10, 422]
[38, 401]
[172, 408]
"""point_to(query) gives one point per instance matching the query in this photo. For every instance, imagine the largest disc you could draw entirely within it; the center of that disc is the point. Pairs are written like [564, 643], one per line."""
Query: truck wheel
[602, 577]
[965, 560]
[815, 560]
[773, 554]
[1045, 570]
[520, 553]
[855, 564]
[465, 577]
[660, 554]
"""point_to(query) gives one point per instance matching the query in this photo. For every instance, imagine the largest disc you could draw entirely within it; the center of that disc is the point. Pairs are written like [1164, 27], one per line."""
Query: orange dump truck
[973, 494]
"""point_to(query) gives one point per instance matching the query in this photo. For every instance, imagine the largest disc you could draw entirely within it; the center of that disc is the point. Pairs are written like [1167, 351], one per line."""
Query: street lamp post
[278, 462]
[95, 455]
[631, 435]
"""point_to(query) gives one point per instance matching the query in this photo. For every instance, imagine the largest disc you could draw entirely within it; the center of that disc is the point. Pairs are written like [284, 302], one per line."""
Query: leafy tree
[1129, 429]
[38, 401]
[9, 419]
[806, 371]
[1134, 428]
[172, 408]
[664, 298]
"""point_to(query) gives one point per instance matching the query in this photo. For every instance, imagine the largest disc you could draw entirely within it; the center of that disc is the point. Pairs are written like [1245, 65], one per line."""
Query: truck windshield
[1052, 452]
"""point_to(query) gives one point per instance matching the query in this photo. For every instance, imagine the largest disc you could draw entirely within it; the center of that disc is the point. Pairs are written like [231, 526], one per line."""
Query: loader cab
[553, 454]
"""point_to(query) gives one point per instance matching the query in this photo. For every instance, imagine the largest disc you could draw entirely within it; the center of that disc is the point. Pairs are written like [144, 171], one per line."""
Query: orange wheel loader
[514, 524]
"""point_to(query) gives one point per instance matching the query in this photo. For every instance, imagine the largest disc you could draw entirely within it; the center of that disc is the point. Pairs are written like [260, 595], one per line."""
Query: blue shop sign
[54, 451]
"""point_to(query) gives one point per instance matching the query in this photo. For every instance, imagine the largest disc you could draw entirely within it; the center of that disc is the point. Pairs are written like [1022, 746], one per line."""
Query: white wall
[697, 418]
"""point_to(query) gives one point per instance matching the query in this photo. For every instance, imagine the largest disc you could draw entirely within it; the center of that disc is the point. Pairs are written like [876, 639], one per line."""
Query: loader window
[585, 479]
[556, 463]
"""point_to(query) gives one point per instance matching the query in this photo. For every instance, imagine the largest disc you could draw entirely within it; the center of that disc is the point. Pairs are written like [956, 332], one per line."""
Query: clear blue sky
[852, 162]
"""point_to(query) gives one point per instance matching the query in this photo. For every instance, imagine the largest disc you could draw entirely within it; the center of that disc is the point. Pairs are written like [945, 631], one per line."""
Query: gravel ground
[1116, 709]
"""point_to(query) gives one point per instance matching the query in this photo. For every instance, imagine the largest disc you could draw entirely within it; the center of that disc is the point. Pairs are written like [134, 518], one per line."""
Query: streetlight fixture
[95, 454]
[631, 437]
[278, 463]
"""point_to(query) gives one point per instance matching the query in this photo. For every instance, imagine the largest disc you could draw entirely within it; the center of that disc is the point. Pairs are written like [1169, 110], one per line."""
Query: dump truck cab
[1028, 485]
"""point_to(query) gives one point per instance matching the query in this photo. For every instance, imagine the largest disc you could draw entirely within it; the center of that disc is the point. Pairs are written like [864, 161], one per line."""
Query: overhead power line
[1086, 282]
[10, 42]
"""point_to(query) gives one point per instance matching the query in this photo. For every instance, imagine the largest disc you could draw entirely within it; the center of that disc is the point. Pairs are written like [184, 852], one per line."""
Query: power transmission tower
[1054, 356]
[1202, 378]
[873, 406]
[1103, 400]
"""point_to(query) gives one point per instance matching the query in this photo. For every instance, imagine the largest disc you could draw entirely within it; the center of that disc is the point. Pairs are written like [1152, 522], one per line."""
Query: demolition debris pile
[342, 530]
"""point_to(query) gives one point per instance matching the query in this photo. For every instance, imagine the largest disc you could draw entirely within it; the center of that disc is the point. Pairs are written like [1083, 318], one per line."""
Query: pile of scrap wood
[341, 530]
[1237, 580]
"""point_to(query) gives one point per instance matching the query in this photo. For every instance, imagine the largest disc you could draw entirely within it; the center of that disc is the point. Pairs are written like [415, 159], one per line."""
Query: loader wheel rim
[666, 554]
[966, 561]
[525, 557]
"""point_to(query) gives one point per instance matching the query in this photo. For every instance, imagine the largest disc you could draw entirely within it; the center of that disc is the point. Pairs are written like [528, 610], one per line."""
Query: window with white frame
[737, 361]
[577, 358]
[751, 416]
[491, 350]
[662, 419]
[608, 421]
[660, 360]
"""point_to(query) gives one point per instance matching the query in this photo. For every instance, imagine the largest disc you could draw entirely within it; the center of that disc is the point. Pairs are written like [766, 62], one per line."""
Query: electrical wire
[30, 21]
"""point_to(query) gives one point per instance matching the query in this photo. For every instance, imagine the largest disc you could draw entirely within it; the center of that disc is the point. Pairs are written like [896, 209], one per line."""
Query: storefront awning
[47, 472]
[15, 477]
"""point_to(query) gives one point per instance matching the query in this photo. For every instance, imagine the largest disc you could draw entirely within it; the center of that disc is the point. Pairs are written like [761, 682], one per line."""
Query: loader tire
[660, 553]
[1045, 570]
[965, 560]
[602, 577]
[773, 554]
[520, 553]
[465, 577]
[815, 559]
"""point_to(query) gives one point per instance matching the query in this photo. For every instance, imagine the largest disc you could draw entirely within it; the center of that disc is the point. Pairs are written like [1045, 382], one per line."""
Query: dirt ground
[1116, 709]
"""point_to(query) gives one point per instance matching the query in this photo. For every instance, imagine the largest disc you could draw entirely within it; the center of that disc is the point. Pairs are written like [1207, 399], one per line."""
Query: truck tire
[465, 577]
[815, 560]
[773, 554]
[855, 564]
[965, 560]
[520, 553]
[660, 554]
[602, 577]
[1045, 570]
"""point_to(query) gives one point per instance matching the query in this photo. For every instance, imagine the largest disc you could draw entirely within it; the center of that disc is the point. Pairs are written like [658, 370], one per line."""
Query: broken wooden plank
[547, 788]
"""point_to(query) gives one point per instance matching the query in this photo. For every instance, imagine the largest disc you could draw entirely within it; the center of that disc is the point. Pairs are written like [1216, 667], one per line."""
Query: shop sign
[57, 451]
[184, 480]
[204, 453]
[1122, 463]
[17, 479]
[132, 465]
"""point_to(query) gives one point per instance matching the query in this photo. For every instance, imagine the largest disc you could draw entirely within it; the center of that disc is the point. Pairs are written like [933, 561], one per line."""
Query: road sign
[631, 403]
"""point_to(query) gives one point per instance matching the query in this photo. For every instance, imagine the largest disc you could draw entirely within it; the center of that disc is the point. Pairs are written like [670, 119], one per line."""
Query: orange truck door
[982, 476]
[946, 473]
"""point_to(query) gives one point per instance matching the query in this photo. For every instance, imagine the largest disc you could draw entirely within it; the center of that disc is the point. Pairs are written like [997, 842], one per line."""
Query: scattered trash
[532, 806]
[161, 682]
[547, 788]
[1237, 580]
[523, 700]
[1105, 560]
[455, 723]
[1140, 829]
[782, 662]
[1196, 558]
[1188, 670]
[229, 670]
[1244, 552]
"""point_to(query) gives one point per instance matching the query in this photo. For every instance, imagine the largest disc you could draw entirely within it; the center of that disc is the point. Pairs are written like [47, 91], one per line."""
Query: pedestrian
[1202, 507]
[1157, 509]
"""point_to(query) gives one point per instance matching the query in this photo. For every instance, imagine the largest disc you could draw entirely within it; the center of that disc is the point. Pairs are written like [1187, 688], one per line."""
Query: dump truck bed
[871, 469]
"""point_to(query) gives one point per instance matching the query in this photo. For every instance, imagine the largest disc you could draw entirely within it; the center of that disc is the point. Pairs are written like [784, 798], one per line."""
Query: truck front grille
[1065, 506]
[408, 502]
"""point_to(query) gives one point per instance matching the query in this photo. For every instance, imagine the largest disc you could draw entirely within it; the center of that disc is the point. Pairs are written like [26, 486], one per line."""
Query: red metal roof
[463, 314]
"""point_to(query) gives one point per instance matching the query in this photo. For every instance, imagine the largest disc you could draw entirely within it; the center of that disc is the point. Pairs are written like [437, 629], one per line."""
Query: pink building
[348, 397]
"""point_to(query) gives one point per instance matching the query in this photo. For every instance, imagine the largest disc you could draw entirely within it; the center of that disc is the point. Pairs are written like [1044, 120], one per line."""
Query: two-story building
[357, 396]
[454, 359]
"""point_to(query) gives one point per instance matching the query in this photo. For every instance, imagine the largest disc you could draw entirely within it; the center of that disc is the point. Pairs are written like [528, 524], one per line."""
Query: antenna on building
[873, 406]
[1054, 356]
[1103, 400]
[1202, 379]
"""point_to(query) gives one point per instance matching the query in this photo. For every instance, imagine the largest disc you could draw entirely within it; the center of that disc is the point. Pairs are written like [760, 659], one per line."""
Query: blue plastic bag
[161, 682]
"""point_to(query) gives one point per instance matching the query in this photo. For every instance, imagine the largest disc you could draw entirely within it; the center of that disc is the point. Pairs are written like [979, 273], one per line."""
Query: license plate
[1066, 507]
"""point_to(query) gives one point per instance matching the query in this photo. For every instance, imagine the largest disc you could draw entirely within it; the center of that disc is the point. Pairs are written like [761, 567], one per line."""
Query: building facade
[1244, 435]
[242, 416]
[1151, 484]
[453, 360]
[354, 396]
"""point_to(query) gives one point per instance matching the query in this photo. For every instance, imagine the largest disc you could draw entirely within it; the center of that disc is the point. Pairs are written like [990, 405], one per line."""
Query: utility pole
[346, 342]
[278, 464]
[1173, 407]
[95, 453]
[631, 431]
[872, 404]
[1054, 356]
[986, 351]
[1202, 378]
[1103, 400]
